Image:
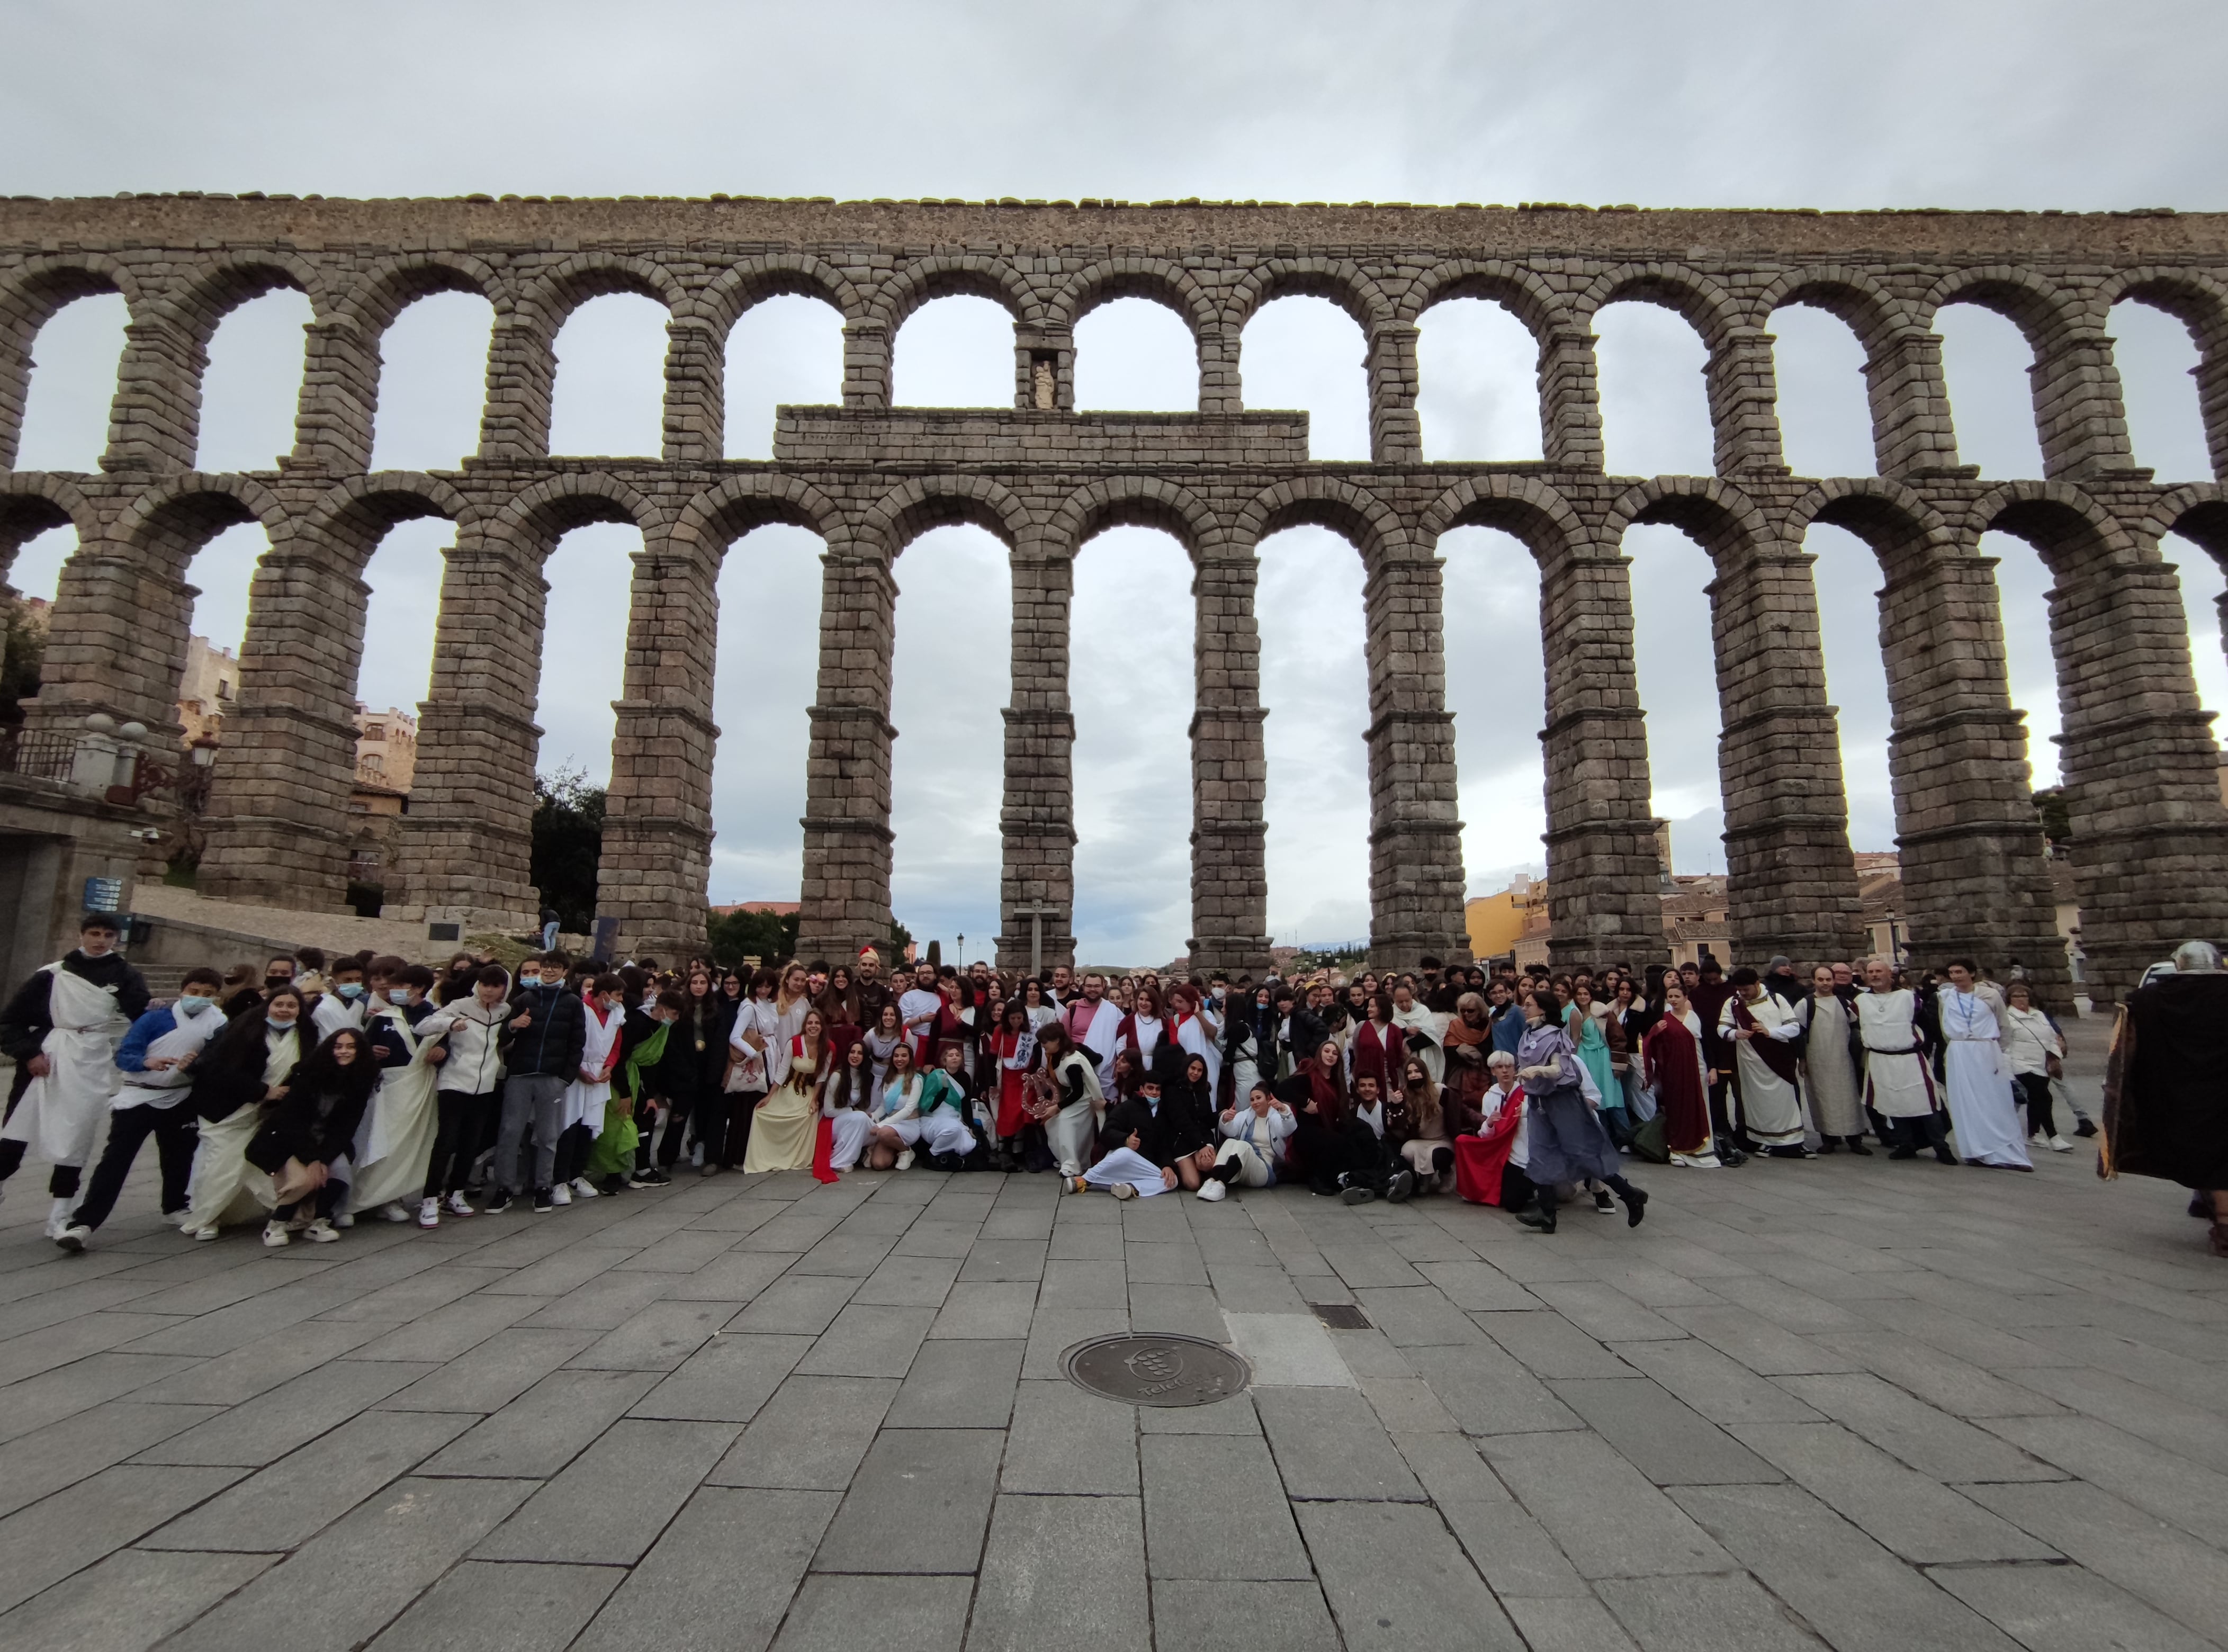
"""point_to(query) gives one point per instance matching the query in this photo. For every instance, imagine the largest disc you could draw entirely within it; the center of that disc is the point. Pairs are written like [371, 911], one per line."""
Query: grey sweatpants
[535, 1102]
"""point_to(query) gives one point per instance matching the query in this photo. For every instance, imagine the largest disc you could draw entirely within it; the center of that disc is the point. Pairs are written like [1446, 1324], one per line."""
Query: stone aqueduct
[2138, 756]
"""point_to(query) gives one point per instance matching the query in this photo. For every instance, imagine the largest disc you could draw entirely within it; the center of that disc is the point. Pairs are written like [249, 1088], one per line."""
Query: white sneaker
[346, 1219]
[320, 1232]
[429, 1212]
[2059, 1144]
[460, 1206]
[200, 1235]
[2036, 1138]
[1212, 1191]
[74, 1237]
[275, 1235]
[696, 1156]
[58, 1217]
[904, 1160]
[1123, 1190]
[584, 1188]
[396, 1211]
[561, 1194]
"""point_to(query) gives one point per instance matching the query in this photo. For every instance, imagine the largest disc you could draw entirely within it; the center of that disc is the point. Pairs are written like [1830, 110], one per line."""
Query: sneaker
[1213, 1192]
[275, 1236]
[1123, 1190]
[429, 1212]
[904, 1160]
[58, 1216]
[320, 1232]
[74, 1237]
[459, 1206]
[202, 1234]
[498, 1202]
[544, 1202]
[346, 1219]
[1354, 1196]
[396, 1211]
[584, 1188]
[560, 1194]
[1602, 1203]
[696, 1154]
[651, 1177]
[2085, 1127]
[1403, 1184]
[2059, 1144]
[711, 1169]
[1636, 1207]
[1073, 1184]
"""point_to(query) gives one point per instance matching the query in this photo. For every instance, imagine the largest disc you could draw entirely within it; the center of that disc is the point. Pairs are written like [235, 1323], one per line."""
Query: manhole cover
[1157, 1370]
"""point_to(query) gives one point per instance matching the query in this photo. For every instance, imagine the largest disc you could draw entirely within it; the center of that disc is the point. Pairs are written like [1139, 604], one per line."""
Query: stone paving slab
[1843, 1403]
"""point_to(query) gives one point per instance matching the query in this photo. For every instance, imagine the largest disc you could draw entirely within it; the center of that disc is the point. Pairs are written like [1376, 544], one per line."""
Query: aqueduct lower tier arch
[2139, 758]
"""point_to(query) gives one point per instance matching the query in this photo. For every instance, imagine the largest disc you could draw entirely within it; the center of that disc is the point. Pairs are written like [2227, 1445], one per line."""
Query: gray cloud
[1959, 104]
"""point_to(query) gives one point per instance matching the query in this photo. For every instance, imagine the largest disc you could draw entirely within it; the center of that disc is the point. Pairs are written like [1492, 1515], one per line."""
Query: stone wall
[2139, 761]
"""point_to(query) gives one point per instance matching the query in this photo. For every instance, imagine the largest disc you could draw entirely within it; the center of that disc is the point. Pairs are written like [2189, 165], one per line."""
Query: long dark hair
[240, 1047]
[321, 1074]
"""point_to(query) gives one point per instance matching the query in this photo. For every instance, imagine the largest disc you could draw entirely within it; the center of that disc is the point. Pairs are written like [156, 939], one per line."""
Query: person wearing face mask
[62, 1027]
[244, 1070]
[395, 1141]
[156, 1059]
[277, 971]
[587, 1097]
[345, 1002]
[549, 1033]
[464, 1039]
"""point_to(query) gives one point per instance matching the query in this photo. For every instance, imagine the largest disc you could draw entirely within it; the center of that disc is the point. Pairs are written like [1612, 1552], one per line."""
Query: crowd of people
[317, 1091]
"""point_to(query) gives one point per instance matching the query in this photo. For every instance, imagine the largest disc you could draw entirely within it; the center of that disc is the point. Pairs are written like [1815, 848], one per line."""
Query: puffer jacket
[474, 1063]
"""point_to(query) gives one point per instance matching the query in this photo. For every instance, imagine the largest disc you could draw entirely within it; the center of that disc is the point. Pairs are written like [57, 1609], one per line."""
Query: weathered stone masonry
[2138, 756]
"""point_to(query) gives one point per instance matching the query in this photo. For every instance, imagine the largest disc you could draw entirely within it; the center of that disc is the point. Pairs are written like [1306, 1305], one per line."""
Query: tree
[735, 936]
[21, 646]
[568, 841]
[2057, 818]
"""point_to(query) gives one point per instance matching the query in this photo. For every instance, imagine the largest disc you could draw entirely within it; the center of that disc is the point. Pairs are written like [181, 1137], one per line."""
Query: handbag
[1647, 1140]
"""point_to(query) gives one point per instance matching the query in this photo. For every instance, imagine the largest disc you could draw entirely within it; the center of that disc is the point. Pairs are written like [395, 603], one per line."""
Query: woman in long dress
[788, 1119]
[1829, 1066]
[1672, 1067]
[1565, 1141]
[1982, 1114]
[395, 1142]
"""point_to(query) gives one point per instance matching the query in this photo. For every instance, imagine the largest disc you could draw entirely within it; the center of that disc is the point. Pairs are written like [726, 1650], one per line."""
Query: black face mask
[276, 980]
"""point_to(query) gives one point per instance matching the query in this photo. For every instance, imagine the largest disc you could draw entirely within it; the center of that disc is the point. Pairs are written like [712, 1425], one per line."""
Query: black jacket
[229, 1076]
[315, 1123]
[684, 1073]
[551, 1043]
[1155, 1131]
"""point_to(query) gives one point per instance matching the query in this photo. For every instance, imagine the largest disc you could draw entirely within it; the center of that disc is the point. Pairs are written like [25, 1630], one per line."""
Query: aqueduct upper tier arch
[865, 476]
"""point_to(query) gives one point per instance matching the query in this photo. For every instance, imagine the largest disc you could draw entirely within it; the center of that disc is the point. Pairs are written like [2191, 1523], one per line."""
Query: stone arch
[544, 513]
[741, 286]
[551, 295]
[2061, 522]
[2199, 300]
[1873, 313]
[213, 290]
[943, 275]
[175, 518]
[2199, 512]
[1161, 281]
[907, 512]
[1704, 305]
[1345, 283]
[31, 502]
[2037, 306]
[1524, 292]
[31, 295]
[1719, 515]
[1889, 518]
[1371, 526]
[382, 293]
[1137, 501]
[353, 517]
[1528, 509]
[717, 517]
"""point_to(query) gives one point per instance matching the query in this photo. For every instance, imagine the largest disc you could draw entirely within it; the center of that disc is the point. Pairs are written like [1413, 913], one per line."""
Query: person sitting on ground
[1136, 1158]
[895, 1131]
[1252, 1151]
[1316, 1094]
[1419, 1127]
[1374, 1168]
[846, 1100]
[944, 1132]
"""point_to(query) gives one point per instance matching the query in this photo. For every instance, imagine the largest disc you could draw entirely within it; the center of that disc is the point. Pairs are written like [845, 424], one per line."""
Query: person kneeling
[305, 1138]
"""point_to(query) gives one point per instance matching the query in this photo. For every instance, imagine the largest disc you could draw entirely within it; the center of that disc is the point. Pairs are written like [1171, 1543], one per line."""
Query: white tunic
[583, 1100]
[60, 1112]
[1983, 1113]
[394, 1144]
[1898, 1084]
[1771, 1108]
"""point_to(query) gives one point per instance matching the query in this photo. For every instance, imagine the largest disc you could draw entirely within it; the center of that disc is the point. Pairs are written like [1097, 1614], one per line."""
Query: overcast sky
[1947, 103]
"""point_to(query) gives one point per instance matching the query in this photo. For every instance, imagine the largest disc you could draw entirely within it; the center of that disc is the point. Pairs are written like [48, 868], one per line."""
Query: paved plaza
[1870, 1405]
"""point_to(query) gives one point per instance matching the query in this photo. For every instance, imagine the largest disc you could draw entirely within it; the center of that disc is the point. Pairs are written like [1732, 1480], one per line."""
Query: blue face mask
[398, 994]
[529, 982]
[280, 1023]
[192, 1004]
[350, 989]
